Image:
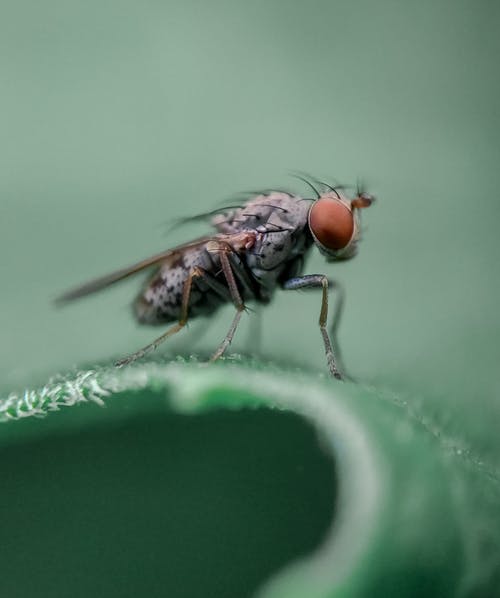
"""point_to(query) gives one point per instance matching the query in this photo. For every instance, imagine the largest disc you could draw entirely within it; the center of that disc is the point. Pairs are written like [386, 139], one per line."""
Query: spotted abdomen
[160, 301]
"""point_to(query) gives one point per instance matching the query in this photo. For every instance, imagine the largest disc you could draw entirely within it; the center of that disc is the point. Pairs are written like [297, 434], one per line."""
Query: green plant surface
[405, 510]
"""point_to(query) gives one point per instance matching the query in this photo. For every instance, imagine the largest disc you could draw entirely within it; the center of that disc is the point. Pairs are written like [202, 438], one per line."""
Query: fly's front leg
[186, 294]
[223, 250]
[315, 281]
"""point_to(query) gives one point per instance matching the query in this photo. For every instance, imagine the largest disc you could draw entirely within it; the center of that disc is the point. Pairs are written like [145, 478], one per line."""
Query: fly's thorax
[277, 255]
[237, 242]
[265, 212]
[270, 250]
[281, 230]
[278, 223]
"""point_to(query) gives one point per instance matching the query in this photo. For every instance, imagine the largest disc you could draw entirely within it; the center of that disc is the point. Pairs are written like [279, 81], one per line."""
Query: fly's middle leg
[223, 251]
[318, 281]
[186, 295]
[250, 289]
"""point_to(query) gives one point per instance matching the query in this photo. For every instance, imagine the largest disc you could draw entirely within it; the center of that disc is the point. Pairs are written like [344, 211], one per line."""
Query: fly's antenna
[360, 187]
[362, 199]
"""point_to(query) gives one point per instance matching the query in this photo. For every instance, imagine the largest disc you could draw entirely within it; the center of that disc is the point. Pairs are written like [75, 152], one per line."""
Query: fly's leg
[223, 251]
[315, 281]
[242, 275]
[253, 343]
[337, 309]
[186, 294]
[218, 287]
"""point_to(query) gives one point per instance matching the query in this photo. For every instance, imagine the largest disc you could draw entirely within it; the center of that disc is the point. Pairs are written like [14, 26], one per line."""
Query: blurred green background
[116, 118]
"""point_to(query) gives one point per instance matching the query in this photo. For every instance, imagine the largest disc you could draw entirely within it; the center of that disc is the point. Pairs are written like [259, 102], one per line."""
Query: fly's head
[334, 223]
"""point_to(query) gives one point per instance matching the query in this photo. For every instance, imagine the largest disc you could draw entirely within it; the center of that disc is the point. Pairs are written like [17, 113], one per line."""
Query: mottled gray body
[253, 250]
[279, 236]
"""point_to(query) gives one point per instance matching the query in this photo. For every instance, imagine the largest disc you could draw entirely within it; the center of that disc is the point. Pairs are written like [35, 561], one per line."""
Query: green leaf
[388, 504]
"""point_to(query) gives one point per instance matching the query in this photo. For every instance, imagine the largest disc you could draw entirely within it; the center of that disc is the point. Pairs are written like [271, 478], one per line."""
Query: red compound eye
[332, 223]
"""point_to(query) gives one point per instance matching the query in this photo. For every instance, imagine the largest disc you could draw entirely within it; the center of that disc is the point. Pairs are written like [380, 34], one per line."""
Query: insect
[256, 248]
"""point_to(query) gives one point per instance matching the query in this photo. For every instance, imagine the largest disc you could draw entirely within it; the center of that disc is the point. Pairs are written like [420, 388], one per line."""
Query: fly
[254, 249]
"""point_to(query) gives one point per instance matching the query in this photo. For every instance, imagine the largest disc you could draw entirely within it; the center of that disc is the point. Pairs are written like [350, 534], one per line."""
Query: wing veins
[102, 282]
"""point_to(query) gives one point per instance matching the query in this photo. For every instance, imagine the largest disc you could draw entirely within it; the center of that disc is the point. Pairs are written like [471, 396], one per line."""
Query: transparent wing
[203, 217]
[237, 202]
[105, 281]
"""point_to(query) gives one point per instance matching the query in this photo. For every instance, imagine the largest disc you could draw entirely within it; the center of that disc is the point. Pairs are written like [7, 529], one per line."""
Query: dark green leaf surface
[397, 510]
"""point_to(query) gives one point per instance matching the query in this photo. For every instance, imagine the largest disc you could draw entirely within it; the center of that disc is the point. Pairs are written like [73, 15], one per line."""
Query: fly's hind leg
[315, 281]
[186, 294]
